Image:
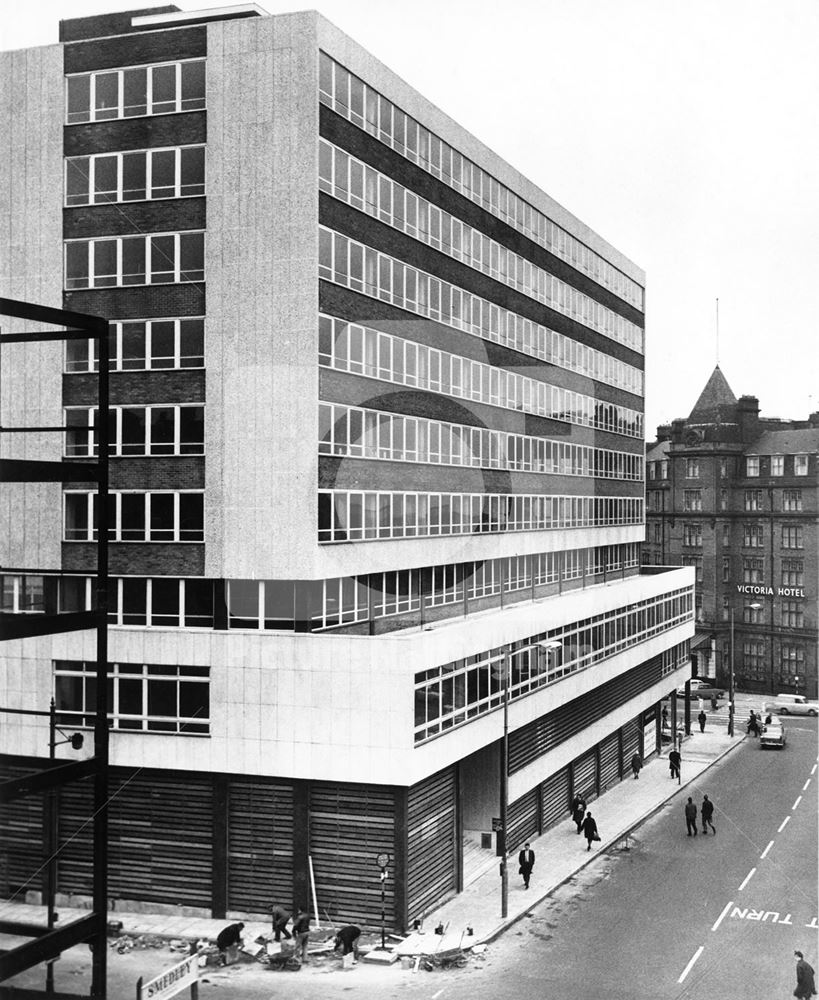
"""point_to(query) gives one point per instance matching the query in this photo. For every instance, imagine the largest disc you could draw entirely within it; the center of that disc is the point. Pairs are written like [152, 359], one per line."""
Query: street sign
[496, 824]
[172, 981]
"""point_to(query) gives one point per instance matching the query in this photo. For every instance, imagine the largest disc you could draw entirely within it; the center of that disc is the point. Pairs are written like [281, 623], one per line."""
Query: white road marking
[796, 803]
[813, 769]
[805, 786]
[747, 879]
[687, 969]
[722, 915]
[762, 855]
[436, 995]
[785, 822]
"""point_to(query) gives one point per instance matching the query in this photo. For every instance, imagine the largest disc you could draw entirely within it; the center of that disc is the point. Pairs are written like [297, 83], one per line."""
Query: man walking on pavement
[578, 812]
[674, 761]
[526, 861]
[691, 817]
[636, 764]
[701, 719]
[589, 830]
[805, 985]
[707, 811]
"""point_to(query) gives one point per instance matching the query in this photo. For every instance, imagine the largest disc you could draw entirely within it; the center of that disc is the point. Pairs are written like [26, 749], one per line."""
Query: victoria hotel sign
[760, 590]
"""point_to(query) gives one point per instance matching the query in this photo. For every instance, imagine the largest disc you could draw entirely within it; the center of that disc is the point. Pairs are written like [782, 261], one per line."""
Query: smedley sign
[172, 981]
[760, 590]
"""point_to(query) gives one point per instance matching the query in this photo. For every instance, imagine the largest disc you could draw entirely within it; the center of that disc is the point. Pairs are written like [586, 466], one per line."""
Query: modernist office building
[734, 495]
[378, 436]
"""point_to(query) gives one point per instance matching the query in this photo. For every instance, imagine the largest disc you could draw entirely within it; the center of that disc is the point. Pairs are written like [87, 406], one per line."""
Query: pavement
[560, 854]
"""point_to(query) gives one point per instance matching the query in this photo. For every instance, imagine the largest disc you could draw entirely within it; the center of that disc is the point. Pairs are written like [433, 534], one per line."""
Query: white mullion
[177, 172]
[178, 89]
[177, 430]
[120, 93]
[149, 89]
[120, 176]
[176, 505]
[260, 603]
[181, 591]
[177, 256]
[149, 263]
[120, 596]
[90, 250]
[149, 326]
[118, 275]
[149, 173]
[146, 433]
[177, 343]
[92, 97]
[149, 601]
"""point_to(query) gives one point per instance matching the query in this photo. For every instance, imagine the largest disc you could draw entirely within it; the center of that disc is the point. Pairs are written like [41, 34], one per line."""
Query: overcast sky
[685, 133]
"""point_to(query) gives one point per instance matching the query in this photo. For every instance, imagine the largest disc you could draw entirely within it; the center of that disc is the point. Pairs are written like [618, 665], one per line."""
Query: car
[794, 704]
[701, 688]
[773, 735]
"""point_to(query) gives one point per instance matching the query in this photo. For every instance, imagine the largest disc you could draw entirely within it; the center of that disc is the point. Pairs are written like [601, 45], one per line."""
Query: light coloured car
[773, 735]
[702, 689]
[794, 704]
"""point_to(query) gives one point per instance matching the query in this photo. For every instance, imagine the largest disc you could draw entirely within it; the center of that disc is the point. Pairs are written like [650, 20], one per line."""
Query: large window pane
[163, 80]
[135, 92]
[193, 85]
[76, 181]
[132, 517]
[133, 431]
[162, 344]
[192, 343]
[106, 95]
[133, 602]
[164, 602]
[79, 99]
[191, 517]
[191, 430]
[133, 346]
[105, 179]
[163, 174]
[133, 261]
[162, 517]
[162, 259]
[162, 430]
[192, 254]
[76, 517]
[193, 171]
[133, 177]
[76, 265]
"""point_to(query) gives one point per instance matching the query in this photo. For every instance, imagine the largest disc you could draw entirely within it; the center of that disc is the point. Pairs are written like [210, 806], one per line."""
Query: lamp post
[755, 607]
[504, 776]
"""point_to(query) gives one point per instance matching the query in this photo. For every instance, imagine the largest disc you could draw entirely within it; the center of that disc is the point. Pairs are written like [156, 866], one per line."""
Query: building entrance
[480, 804]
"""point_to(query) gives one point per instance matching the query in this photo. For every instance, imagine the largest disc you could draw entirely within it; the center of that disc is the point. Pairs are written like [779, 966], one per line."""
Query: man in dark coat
[301, 933]
[636, 764]
[805, 985]
[578, 811]
[701, 719]
[691, 817]
[280, 917]
[674, 761]
[227, 938]
[526, 860]
[706, 812]
[347, 940]
[589, 830]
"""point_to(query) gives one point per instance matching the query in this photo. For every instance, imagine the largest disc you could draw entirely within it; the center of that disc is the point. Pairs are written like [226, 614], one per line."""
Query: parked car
[701, 688]
[773, 735]
[793, 704]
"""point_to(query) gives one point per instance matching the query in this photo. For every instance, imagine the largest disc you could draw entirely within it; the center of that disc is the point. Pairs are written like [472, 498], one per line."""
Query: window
[792, 537]
[726, 608]
[793, 573]
[145, 697]
[752, 465]
[793, 614]
[175, 172]
[664, 469]
[692, 499]
[777, 465]
[753, 570]
[753, 660]
[752, 536]
[652, 470]
[134, 260]
[139, 430]
[792, 661]
[696, 562]
[723, 468]
[726, 569]
[658, 533]
[751, 614]
[692, 468]
[142, 90]
[22, 594]
[692, 535]
[792, 500]
[723, 499]
[137, 517]
[143, 344]
[800, 465]
[753, 499]
[726, 534]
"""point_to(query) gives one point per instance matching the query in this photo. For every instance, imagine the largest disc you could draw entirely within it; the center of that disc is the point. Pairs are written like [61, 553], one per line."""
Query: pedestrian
[691, 817]
[280, 917]
[636, 764]
[701, 719]
[753, 724]
[674, 761]
[578, 811]
[526, 860]
[301, 935]
[665, 717]
[228, 938]
[805, 985]
[347, 940]
[768, 719]
[589, 830]
[706, 812]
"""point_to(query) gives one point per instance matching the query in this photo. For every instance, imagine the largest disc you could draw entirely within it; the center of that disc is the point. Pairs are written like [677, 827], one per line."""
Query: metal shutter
[585, 774]
[260, 845]
[631, 742]
[610, 760]
[431, 843]
[522, 818]
[554, 798]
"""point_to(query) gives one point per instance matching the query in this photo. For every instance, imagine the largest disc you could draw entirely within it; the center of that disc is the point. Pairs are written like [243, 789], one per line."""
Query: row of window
[138, 175]
[756, 667]
[753, 571]
[359, 103]
[160, 89]
[143, 344]
[158, 259]
[350, 515]
[454, 693]
[352, 181]
[138, 430]
[355, 432]
[753, 500]
[364, 351]
[156, 516]
[169, 602]
[753, 535]
[143, 697]
[791, 614]
[353, 265]
[755, 465]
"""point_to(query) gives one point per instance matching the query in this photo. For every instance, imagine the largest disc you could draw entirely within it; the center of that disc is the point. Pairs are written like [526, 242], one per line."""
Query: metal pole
[51, 844]
[383, 917]
[731, 682]
[504, 786]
